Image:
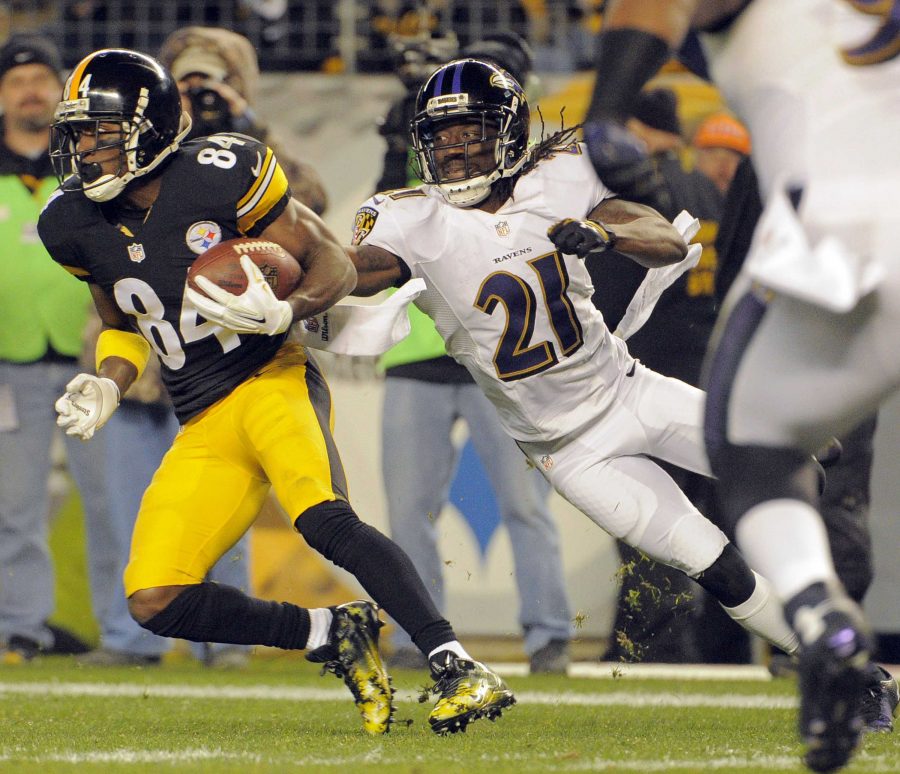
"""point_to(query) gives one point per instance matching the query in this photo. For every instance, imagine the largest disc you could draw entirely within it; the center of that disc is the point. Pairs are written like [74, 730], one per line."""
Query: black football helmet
[117, 86]
[471, 90]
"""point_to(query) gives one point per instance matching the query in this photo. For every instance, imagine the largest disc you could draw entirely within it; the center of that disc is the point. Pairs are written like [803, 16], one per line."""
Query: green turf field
[280, 716]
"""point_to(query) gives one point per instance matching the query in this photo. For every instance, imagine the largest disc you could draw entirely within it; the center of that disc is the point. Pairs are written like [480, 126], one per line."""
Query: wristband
[124, 344]
[610, 237]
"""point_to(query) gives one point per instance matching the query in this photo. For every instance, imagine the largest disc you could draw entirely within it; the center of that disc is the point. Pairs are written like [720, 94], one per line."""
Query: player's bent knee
[729, 578]
[695, 543]
[333, 529]
[144, 604]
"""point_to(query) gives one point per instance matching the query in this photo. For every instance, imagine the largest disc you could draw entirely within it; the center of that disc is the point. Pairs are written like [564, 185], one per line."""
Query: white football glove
[89, 401]
[256, 310]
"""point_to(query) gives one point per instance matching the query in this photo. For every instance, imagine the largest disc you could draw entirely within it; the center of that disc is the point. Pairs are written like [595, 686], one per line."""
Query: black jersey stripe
[320, 397]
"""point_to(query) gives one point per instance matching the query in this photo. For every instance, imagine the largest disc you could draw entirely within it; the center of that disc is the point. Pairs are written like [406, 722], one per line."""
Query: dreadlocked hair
[543, 149]
[548, 145]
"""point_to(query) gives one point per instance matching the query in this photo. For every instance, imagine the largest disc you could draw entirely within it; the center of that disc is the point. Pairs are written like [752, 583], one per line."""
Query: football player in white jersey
[807, 348]
[513, 304]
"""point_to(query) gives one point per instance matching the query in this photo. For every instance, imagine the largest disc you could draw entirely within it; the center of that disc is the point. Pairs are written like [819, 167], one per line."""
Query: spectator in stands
[415, 58]
[720, 143]
[42, 313]
[427, 392]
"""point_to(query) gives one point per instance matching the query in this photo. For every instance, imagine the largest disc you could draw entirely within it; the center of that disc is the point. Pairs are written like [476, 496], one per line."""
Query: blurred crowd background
[328, 35]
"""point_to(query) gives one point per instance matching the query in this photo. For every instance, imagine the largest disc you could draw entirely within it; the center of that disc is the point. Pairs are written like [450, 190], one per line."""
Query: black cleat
[468, 689]
[352, 654]
[880, 699]
[832, 671]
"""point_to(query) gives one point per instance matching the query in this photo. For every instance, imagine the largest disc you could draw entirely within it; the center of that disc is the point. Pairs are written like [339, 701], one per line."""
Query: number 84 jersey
[213, 188]
[509, 306]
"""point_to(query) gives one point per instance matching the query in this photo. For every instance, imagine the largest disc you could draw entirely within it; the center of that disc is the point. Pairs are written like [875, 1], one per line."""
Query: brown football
[221, 264]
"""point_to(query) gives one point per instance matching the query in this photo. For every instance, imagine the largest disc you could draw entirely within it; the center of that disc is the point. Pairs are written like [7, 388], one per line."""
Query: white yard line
[272, 693]
[548, 761]
[605, 670]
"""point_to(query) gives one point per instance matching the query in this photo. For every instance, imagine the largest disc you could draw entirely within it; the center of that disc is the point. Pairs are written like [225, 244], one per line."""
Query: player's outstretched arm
[635, 230]
[377, 269]
[328, 272]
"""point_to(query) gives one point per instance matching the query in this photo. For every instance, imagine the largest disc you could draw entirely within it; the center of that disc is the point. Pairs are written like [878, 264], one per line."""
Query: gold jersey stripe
[269, 188]
[264, 171]
[77, 271]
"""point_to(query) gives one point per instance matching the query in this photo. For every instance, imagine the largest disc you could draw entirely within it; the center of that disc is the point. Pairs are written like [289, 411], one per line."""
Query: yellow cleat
[469, 690]
[352, 654]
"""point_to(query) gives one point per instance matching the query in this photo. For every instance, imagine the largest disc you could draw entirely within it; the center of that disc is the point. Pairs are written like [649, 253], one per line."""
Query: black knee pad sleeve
[380, 565]
[729, 579]
[335, 531]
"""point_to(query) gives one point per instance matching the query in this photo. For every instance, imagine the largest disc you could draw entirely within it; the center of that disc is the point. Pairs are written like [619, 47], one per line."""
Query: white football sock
[455, 647]
[763, 615]
[786, 541]
[319, 626]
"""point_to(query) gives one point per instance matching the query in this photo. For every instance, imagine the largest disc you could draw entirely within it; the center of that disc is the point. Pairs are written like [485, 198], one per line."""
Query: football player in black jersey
[136, 206]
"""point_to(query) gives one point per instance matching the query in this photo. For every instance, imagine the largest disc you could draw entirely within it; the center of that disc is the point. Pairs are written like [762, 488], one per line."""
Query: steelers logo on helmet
[364, 223]
[470, 91]
[202, 235]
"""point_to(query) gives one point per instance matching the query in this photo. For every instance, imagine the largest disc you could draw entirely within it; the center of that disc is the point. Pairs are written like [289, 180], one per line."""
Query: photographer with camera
[213, 104]
[217, 73]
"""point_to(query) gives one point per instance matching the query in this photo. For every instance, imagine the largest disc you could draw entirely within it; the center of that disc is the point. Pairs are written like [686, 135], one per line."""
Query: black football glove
[581, 237]
[623, 165]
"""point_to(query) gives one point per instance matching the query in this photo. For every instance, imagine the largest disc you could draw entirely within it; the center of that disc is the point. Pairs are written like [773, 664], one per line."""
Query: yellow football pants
[273, 429]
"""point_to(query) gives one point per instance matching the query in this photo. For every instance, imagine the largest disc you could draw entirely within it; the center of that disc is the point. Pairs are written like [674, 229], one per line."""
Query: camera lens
[211, 113]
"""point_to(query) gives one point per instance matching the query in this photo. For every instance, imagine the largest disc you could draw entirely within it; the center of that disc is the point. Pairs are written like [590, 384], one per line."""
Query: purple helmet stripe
[439, 82]
[457, 78]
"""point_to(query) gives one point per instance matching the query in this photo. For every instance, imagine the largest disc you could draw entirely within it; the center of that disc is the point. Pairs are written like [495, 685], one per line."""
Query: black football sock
[211, 612]
[729, 579]
[380, 565]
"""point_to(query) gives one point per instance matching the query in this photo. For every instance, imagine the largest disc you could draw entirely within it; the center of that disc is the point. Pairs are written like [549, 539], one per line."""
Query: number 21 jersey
[509, 306]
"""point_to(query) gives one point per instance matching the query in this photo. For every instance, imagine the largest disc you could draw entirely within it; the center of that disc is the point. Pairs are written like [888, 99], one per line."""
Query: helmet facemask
[469, 185]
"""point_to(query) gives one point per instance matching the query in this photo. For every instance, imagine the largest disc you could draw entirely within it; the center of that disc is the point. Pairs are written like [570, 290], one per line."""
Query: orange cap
[722, 131]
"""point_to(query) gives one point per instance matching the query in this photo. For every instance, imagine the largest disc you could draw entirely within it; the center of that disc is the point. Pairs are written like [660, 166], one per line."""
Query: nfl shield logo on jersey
[546, 462]
[203, 235]
[502, 228]
[136, 252]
